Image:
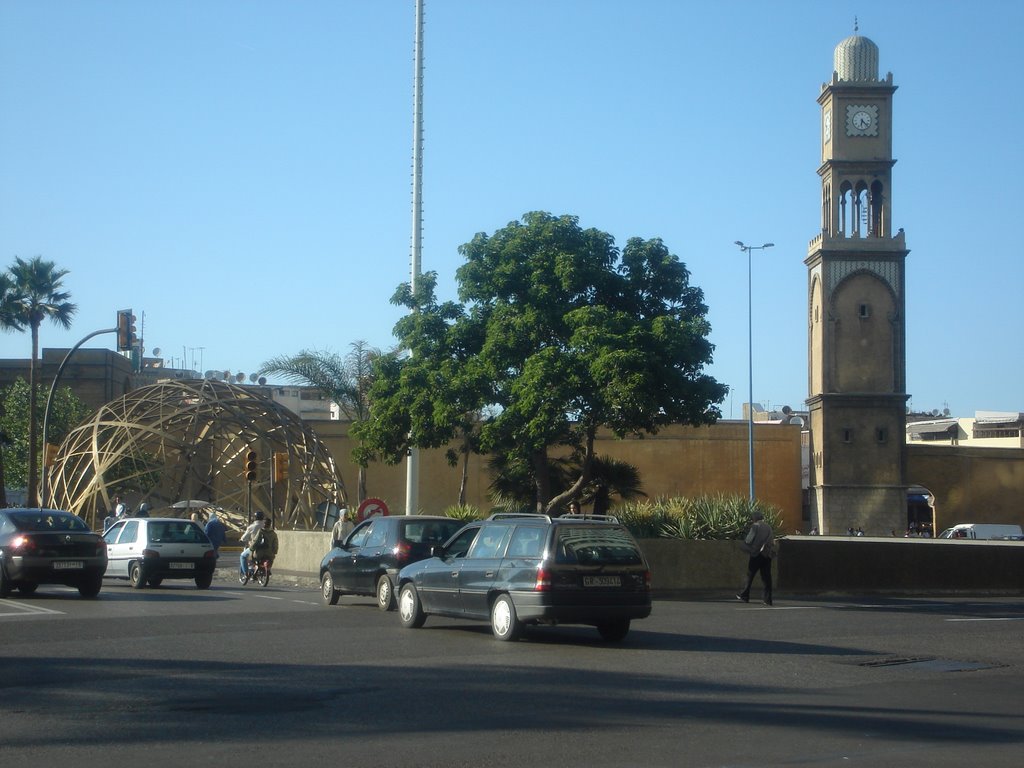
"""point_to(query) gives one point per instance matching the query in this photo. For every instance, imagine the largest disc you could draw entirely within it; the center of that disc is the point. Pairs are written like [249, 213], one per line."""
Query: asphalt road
[270, 677]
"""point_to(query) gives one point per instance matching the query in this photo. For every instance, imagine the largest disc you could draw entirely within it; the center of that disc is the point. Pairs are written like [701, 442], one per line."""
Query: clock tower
[856, 308]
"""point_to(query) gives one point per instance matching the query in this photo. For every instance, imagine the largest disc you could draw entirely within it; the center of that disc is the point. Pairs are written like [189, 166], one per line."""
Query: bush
[704, 517]
[467, 513]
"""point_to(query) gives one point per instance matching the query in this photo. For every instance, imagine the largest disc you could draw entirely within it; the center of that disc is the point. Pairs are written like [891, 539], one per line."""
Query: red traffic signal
[250, 466]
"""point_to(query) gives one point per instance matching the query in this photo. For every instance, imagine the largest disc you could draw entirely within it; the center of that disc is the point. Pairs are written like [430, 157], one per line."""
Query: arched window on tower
[860, 211]
[845, 209]
[826, 209]
[877, 211]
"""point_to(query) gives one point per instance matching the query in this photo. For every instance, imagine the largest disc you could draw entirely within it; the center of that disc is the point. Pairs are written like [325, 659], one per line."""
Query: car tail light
[402, 551]
[543, 581]
[22, 544]
[101, 547]
[647, 580]
[150, 553]
[209, 554]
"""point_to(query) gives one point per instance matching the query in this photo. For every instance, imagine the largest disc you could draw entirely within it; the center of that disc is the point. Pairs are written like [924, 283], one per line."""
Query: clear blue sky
[239, 173]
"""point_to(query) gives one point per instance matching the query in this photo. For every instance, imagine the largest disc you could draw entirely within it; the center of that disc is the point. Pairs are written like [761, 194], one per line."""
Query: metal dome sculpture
[186, 442]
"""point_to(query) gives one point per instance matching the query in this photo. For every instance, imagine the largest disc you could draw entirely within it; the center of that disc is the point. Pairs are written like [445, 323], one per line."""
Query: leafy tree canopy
[558, 334]
[66, 412]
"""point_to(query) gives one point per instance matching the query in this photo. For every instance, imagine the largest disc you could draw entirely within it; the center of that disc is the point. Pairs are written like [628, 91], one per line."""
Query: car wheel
[90, 586]
[410, 611]
[613, 631]
[327, 591]
[203, 580]
[156, 581]
[5, 583]
[504, 623]
[135, 575]
[27, 588]
[385, 594]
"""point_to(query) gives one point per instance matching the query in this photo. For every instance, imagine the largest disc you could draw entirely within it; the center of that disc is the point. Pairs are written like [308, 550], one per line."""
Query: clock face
[828, 125]
[862, 120]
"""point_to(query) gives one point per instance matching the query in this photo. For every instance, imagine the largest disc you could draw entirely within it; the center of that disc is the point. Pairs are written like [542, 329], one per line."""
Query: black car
[515, 570]
[49, 546]
[367, 562]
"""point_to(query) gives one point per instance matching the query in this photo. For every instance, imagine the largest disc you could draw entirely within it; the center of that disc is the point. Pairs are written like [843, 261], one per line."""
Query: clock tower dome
[856, 308]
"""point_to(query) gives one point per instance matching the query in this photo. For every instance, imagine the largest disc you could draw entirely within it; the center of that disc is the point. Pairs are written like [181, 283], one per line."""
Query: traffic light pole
[46, 412]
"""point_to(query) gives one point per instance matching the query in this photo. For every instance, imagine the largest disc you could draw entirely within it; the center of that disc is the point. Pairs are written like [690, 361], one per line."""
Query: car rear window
[596, 545]
[47, 521]
[431, 531]
[176, 532]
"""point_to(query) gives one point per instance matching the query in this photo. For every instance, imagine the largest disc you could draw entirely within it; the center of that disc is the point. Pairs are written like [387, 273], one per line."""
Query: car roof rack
[582, 516]
[519, 516]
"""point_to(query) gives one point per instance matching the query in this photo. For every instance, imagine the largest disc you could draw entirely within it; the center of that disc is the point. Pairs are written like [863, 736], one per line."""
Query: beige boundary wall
[805, 564]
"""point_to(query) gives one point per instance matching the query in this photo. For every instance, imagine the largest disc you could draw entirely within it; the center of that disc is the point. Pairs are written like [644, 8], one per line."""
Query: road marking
[21, 609]
[997, 618]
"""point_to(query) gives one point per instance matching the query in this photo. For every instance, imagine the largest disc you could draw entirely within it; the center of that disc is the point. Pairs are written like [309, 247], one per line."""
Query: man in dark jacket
[216, 532]
[760, 545]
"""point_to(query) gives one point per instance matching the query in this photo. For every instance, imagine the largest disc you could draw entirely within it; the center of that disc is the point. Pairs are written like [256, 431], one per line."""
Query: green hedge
[701, 517]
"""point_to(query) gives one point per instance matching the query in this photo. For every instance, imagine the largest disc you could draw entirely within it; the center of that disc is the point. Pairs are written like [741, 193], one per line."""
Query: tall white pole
[750, 359]
[412, 474]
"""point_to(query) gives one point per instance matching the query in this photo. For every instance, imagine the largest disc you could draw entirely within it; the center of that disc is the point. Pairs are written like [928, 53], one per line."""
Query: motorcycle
[257, 570]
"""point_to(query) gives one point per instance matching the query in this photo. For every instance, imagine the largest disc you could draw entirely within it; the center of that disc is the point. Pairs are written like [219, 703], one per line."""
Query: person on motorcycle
[264, 544]
[247, 539]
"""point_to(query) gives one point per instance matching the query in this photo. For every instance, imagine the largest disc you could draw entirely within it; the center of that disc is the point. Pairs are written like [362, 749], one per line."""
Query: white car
[147, 550]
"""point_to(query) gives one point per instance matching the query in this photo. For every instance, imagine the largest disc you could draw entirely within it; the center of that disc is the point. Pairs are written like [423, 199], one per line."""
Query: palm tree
[8, 322]
[345, 380]
[37, 295]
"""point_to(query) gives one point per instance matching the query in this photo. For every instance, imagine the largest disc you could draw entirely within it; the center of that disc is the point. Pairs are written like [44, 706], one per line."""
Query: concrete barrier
[804, 565]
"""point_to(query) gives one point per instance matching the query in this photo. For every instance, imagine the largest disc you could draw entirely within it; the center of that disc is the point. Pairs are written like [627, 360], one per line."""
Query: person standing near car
[216, 532]
[247, 539]
[759, 543]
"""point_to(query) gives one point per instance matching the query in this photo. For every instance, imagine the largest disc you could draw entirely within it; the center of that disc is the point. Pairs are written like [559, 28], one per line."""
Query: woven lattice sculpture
[184, 441]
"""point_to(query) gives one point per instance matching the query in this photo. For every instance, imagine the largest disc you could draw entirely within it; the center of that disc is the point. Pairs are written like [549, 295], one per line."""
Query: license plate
[181, 566]
[602, 581]
[68, 565]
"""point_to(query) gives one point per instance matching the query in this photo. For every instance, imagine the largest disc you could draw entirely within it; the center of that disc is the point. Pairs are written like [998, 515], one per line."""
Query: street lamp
[750, 361]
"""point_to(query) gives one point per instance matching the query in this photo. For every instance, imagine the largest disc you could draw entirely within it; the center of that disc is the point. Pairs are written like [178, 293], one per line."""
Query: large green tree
[37, 295]
[8, 322]
[345, 380]
[66, 412]
[559, 334]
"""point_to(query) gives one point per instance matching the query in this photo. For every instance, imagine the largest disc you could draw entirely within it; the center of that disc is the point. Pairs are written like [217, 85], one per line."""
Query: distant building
[986, 429]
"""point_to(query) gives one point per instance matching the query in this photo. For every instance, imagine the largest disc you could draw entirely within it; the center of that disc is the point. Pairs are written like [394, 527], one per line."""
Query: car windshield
[43, 520]
[596, 545]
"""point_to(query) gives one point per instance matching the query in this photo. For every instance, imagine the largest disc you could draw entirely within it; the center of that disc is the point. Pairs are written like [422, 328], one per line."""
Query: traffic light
[125, 330]
[280, 466]
[250, 466]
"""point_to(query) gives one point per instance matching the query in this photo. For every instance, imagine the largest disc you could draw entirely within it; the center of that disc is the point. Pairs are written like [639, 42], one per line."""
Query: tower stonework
[856, 308]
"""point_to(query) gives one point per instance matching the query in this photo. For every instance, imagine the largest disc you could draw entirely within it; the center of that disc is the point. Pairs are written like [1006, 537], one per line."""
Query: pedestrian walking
[759, 543]
[216, 532]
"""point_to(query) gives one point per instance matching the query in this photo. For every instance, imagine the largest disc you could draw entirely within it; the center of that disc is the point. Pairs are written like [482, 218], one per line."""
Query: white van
[983, 531]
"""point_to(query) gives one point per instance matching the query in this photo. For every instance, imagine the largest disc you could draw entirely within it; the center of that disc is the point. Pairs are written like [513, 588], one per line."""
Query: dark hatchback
[49, 546]
[515, 570]
[367, 562]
